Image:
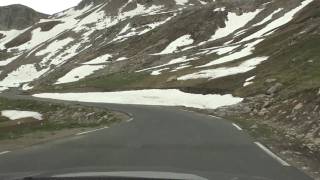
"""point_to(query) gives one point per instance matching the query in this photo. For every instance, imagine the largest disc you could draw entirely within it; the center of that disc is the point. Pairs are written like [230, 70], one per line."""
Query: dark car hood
[132, 175]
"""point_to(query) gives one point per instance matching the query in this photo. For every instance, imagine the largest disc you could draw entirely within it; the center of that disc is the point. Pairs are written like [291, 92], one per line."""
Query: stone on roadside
[274, 89]
[298, 106]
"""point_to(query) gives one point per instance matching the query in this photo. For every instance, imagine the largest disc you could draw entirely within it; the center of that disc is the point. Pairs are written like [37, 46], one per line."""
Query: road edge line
[87, 132]
[237, 126]
[4, 152]
[129, 120]
[274, 156]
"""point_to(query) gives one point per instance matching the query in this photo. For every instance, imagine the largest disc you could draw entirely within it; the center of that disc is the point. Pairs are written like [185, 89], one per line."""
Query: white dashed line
[214, 116]
[4, 152]
[87, 132]
[185, 110]
[282, 162]
[236, 126]
[129, 120]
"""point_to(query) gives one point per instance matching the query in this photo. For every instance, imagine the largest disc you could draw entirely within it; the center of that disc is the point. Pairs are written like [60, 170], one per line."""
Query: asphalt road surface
[162, 139]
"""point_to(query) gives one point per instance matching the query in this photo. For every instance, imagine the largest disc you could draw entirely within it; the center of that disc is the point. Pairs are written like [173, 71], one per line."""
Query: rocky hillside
[263, 50]
[18, 17]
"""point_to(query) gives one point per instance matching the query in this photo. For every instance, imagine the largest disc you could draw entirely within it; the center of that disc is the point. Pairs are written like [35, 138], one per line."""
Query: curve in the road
[158, 139]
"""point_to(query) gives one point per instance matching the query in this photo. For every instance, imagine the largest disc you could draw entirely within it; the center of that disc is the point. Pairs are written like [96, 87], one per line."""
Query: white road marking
[282, 162]
[185, 110]
[236, 126]
[215, 117]
[4, 152]
[129, 120]
[87, 132]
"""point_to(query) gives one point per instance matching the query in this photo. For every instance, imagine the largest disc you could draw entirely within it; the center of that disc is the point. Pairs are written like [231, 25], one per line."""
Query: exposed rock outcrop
[18, 17]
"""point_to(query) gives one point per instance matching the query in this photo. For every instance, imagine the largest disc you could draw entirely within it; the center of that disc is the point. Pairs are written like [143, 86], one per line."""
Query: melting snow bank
[14, 115]
[233, 23]
[176, 44]
[79, 73]
[244, 67]
[169, 97]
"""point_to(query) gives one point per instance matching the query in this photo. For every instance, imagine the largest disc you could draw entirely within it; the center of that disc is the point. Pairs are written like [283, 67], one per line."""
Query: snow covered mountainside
[172, 43]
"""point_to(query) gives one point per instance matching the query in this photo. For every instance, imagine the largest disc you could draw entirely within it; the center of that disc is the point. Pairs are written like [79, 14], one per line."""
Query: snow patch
[249, 81]
[8, 61]
[62, 57]
[271, 27]
[176, 44]
[221, 9]
[68, 20]
[233, 23]
[170, 97]
[95, 17]
[72, 12]
[79, 73]
[181, 2]
[247, 84]
[99, 60]
[182, 66]
[268, 18]
[128, 32]
[182, 59]
[157, 24]
[203, 2]
[225, 71]
[122, 59]
[141, 9]
[26, 87]
[9, 35]
[54, 47]
[246, 51]
[125, 29]
[23, 74]
[15, 115]
[39, 37]
[158, 72]
[222, 50]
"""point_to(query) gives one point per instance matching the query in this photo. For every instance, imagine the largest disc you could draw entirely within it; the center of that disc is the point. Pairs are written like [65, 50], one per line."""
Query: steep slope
[143, 34]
